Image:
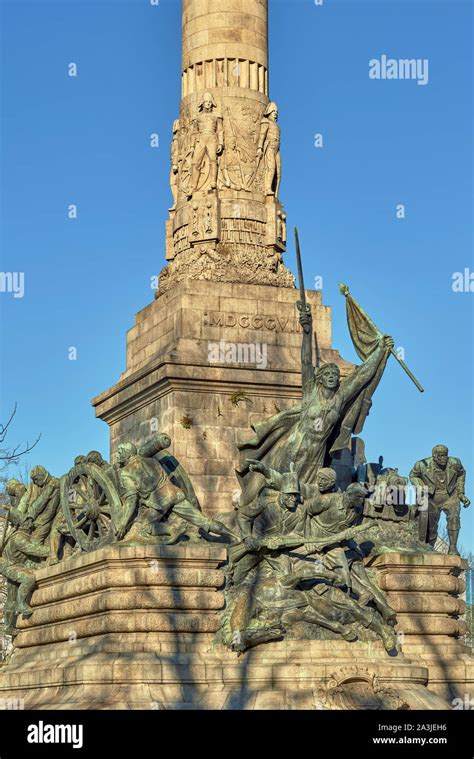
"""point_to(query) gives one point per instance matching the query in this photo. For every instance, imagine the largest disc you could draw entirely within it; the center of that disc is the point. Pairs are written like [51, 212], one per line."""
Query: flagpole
[345, 291]
[405, 367]
[302, 305]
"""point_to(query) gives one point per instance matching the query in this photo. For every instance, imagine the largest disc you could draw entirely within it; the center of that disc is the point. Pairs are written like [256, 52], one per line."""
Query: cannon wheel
[85, 487]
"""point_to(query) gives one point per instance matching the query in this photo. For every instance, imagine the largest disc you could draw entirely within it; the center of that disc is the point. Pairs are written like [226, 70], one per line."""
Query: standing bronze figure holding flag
[331, 411]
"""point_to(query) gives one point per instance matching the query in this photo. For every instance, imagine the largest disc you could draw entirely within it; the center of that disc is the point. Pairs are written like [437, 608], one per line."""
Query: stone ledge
[135, 576]
[428, 560]
[105, 680]
[207, 554]
[123, 599]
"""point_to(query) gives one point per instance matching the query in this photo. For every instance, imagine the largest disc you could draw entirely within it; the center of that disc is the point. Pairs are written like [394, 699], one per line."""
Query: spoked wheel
[91, 505]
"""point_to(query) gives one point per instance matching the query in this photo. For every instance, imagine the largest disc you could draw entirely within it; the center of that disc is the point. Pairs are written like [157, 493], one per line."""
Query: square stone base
[135, 628]
[425, 592]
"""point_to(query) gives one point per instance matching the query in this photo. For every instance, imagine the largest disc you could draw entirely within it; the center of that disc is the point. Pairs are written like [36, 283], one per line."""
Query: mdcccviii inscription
[250, 321]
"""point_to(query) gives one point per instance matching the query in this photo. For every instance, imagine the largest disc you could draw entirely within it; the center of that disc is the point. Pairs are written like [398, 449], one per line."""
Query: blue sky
[86, 141]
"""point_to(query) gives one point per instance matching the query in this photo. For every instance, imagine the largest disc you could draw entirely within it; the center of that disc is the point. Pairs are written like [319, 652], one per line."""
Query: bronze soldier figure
[444, 478]
[149, 496]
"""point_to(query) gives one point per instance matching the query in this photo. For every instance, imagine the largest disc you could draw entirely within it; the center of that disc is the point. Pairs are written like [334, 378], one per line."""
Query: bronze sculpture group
[299, 548]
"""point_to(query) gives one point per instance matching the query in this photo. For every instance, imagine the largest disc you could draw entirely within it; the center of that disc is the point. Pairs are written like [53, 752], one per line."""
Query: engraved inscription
[251, 321]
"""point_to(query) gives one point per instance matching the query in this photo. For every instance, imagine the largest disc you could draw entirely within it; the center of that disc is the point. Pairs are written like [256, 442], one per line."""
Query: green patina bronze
[441, 478]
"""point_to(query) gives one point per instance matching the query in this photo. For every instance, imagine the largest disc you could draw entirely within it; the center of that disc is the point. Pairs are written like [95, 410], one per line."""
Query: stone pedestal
[118, 628]
[206, 360]
[134, 627]
[424, 591]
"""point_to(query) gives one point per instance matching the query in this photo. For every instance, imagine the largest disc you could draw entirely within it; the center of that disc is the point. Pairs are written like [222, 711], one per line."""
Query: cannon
[91, 502]
[91, 499]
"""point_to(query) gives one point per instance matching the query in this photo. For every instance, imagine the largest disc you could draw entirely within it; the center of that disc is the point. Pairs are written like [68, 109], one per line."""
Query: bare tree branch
[4, 428]
[11, 456]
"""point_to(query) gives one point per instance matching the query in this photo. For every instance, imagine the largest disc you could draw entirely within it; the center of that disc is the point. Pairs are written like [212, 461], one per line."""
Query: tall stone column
[226, 223]
[220, 36]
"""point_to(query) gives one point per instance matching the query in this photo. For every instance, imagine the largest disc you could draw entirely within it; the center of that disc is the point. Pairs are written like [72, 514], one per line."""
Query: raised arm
[271, 475]
[366, 373]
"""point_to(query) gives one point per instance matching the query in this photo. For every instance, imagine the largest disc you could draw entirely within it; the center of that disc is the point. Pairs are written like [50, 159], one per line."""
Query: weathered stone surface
[423, 590]
[87, 647]
[167, 589]
[427, 603]
[423, 583]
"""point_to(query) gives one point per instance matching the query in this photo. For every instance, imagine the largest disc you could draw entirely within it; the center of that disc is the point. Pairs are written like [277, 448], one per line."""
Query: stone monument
[207, 566]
